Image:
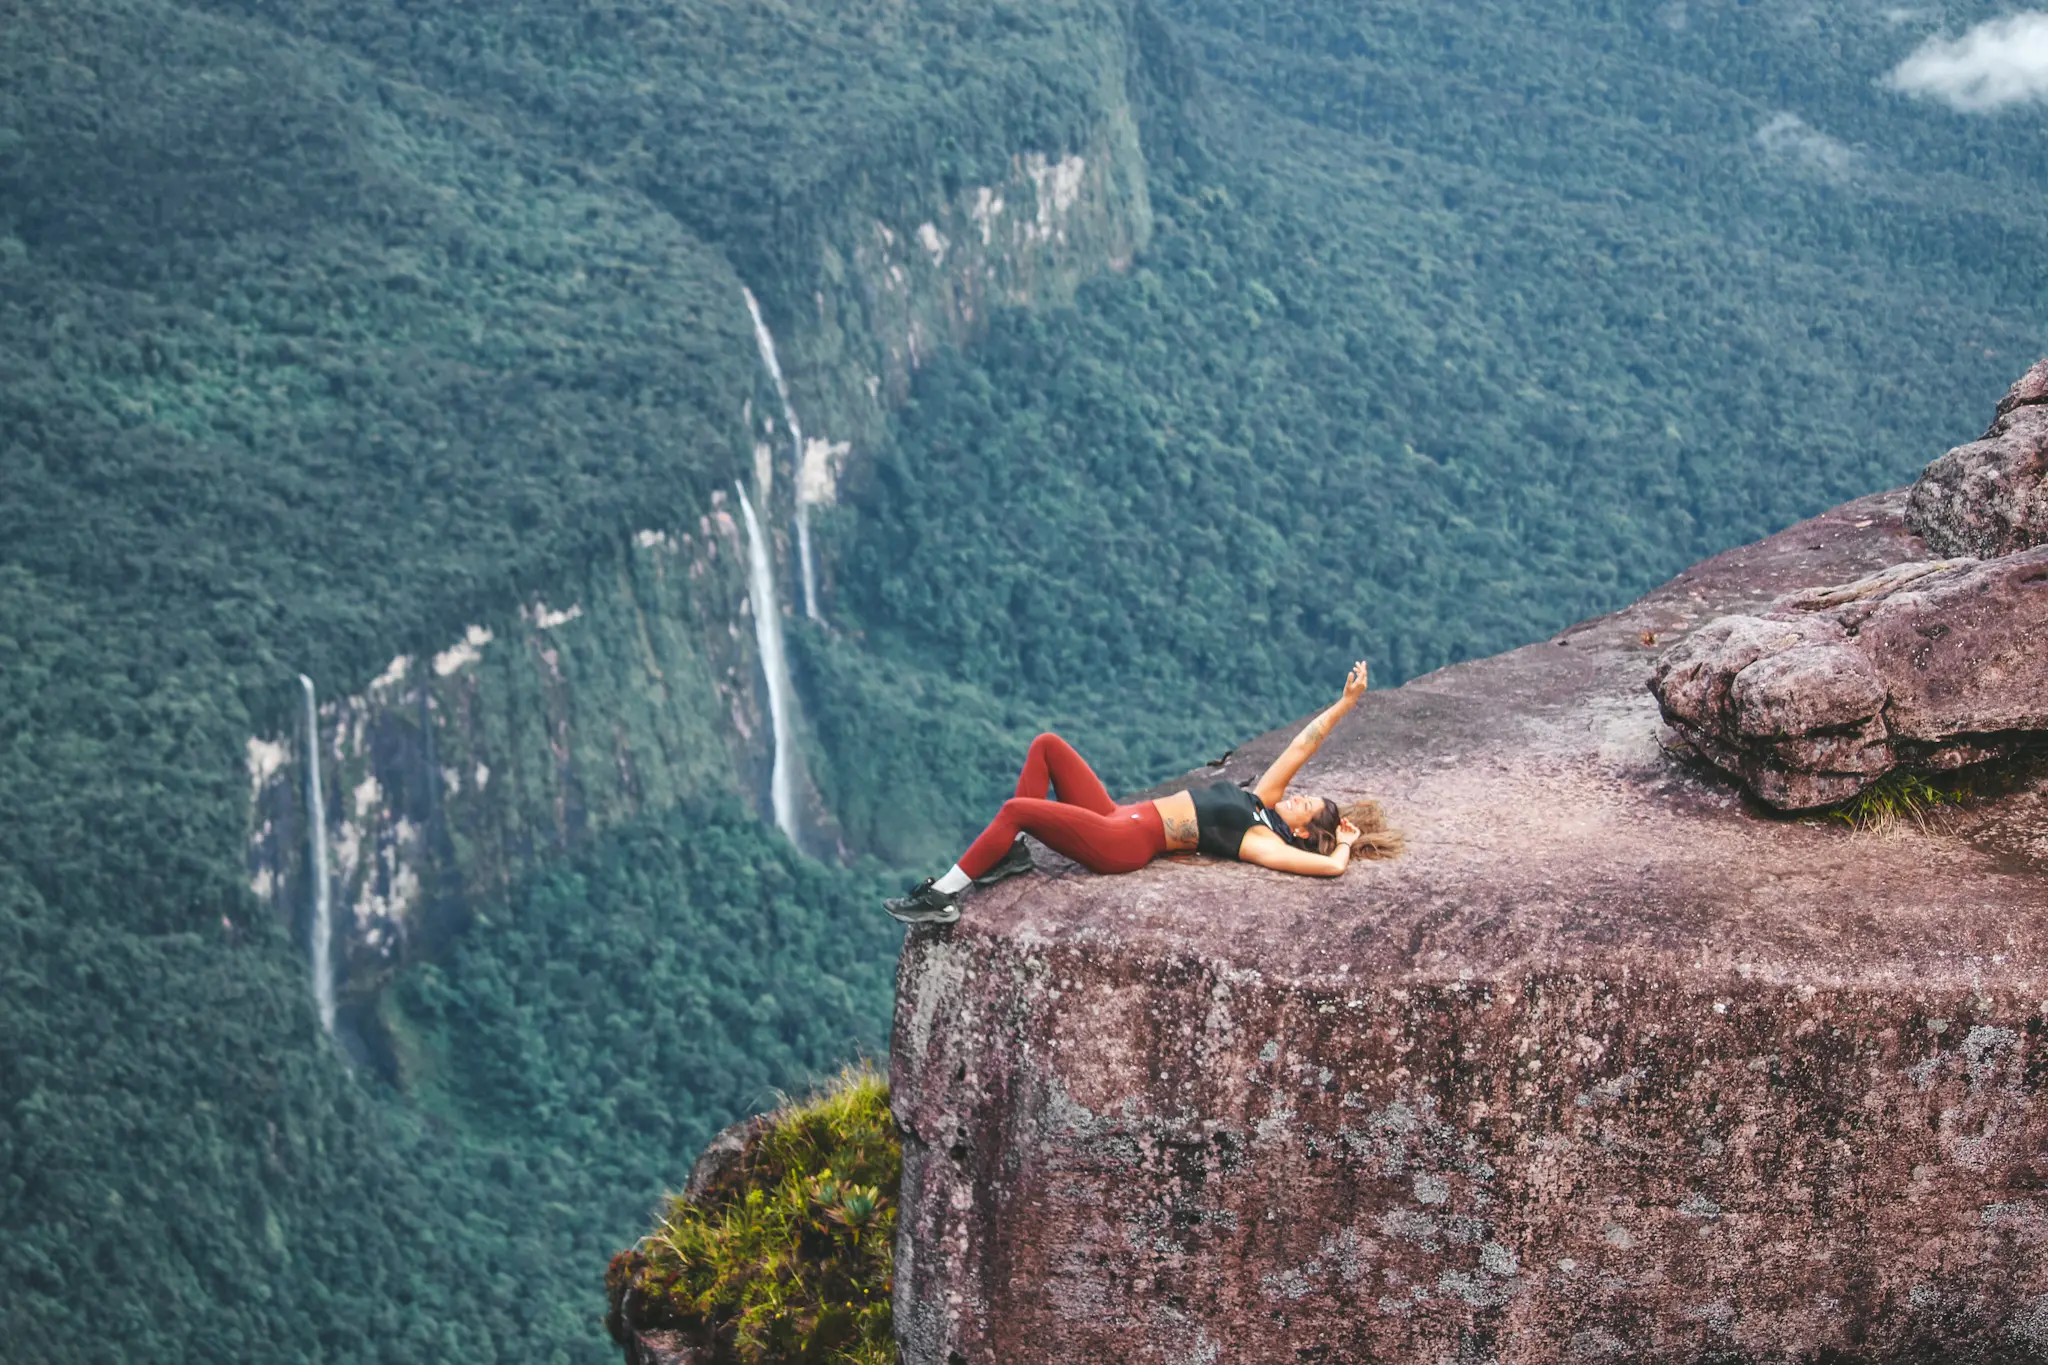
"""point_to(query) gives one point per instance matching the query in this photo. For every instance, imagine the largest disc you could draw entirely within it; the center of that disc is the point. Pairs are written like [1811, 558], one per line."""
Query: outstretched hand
[1347, 833]
[1354, 686]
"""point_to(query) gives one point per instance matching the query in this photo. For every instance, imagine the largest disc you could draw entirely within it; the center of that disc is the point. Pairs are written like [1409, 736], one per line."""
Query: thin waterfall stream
[322, 931]
[765, 341]
[775, 664]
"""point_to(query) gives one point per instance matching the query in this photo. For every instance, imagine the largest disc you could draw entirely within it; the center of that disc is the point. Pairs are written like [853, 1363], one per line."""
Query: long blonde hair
[1375, 838]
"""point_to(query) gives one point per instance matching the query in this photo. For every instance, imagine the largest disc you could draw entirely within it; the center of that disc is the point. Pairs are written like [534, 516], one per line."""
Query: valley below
[518, 526]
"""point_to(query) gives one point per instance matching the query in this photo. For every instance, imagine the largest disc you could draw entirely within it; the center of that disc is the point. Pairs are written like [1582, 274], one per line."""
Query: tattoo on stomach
[1180, 829]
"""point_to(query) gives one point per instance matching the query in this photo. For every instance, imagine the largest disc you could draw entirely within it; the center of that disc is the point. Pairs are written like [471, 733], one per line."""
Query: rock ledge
[1613, 1064]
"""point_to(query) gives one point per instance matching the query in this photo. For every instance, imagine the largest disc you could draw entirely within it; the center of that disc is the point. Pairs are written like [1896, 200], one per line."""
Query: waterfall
[765, 340]
[322, 933]
[775, 664]
[803, 550]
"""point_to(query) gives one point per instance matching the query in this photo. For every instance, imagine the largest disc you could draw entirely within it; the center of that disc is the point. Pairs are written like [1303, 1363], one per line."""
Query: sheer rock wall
[1611, 1064]
[636, 683]
[457, 769]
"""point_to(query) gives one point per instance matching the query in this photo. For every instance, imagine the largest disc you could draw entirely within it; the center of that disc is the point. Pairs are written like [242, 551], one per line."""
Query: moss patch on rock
[782, 1254]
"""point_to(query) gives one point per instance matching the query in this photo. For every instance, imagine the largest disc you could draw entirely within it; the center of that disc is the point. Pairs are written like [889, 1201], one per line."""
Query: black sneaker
[1014, 863]
[925, 904]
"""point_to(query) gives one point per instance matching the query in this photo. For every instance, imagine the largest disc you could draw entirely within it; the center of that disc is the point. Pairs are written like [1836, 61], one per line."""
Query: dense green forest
[327, 328]
[229, 1194]
[1462, 323]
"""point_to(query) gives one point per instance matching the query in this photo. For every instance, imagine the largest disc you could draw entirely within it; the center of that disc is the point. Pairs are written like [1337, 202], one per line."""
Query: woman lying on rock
[1311, 835]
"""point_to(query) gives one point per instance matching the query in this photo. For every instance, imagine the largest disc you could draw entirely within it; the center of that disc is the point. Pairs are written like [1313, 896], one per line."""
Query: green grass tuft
[789, 1259]
[1897, 796]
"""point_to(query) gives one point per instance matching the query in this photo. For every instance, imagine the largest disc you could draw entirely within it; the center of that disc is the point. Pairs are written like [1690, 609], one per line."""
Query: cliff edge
[1614, 1063]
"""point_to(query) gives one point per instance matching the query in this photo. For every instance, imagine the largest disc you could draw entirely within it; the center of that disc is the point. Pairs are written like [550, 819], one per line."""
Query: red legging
[1083, 823]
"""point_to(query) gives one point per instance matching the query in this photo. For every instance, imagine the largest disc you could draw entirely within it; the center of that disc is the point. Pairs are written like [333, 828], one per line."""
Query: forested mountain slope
[310, 354]
[1461, 323]
[328, 330]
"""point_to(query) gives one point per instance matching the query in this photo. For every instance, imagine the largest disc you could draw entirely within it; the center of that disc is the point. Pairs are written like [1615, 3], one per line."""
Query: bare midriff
[1177, 814]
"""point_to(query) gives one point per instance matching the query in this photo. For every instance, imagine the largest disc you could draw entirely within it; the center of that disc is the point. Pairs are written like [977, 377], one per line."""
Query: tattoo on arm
[1317, 729]
[1180, 829]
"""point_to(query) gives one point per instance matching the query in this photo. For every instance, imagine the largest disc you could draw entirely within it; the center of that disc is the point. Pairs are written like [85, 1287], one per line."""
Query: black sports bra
[1223, 815]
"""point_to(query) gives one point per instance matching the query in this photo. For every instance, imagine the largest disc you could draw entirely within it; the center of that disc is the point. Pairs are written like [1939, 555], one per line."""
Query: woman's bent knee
[1017, 810]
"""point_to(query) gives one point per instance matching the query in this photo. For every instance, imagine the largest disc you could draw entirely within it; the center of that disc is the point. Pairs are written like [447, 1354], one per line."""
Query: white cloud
[2000, 62]
[1792, 138]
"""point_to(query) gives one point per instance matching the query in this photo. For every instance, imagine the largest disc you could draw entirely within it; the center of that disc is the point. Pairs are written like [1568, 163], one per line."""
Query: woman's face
[1297, 811]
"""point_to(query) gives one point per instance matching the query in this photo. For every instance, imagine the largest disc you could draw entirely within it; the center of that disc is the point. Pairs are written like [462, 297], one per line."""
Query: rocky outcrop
[779, 1249]
[660, 1348]
[1605, 1067]
[1934, 665]
[719, 1173]
[1990, 497]
[1928, 664]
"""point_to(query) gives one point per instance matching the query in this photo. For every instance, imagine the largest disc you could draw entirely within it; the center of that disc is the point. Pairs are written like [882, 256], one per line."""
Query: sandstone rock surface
[1611, 1065]
[1936, 664]
[1990, 497]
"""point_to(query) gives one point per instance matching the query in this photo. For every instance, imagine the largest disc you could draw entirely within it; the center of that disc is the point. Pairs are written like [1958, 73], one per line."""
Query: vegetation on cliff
[784, 1256]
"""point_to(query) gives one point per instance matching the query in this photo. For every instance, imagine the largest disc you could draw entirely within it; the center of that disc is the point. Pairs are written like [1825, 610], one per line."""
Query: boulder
[721, 1168]
[1936, 664]
[1990, 497]
[1604, 1067]
[636, 1322]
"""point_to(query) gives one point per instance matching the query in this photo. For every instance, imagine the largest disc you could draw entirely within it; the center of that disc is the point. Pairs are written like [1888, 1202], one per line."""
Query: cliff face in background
[1612, 1064]
[456, 769]
[886, 289]
[639, 682]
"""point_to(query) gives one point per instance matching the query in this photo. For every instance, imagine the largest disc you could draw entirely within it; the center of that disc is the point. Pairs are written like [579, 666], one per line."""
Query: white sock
[953, 882]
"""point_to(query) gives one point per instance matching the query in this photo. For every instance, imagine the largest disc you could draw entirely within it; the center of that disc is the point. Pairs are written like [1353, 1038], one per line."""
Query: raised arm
[1273, 784]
